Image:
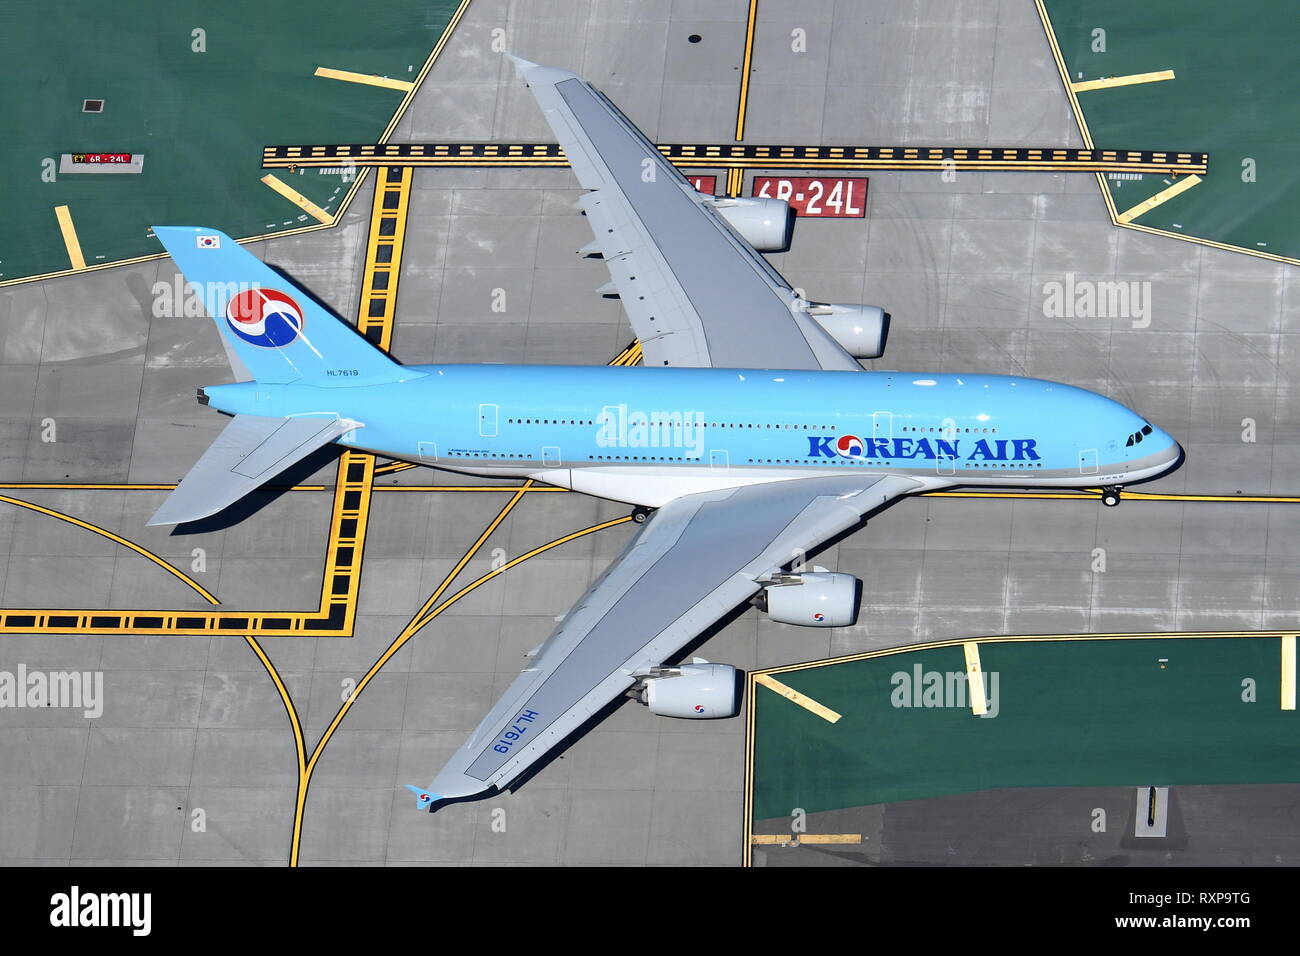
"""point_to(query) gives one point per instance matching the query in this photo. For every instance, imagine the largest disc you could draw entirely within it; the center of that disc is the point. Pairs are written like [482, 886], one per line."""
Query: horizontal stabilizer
[250, 451]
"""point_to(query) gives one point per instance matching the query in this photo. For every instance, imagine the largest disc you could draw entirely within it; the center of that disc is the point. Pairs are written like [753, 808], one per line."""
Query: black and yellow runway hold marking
[749, 156]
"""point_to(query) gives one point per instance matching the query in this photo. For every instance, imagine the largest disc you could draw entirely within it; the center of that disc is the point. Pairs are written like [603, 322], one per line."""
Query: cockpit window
[1137, 436]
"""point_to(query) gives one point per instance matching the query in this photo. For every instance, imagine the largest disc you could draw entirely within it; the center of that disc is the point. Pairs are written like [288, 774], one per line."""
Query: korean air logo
[699, 708]
[819, 617]
[265, 317]
[425, 798]
[849, 446]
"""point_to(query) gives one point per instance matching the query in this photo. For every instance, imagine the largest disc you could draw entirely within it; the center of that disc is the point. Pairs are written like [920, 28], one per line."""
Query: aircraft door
[1088, 461]
[487, 421]
[882, 425]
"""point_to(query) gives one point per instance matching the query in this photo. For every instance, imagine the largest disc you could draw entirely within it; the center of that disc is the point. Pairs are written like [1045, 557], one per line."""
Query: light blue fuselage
[733, 425]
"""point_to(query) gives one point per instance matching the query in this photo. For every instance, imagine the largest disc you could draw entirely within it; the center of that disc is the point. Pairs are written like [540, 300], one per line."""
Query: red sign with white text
[817, 196]
[101, 157]
[704, 184]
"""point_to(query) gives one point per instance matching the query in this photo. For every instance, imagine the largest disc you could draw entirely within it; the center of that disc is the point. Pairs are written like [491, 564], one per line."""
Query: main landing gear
[639, 514]
[1110, 495]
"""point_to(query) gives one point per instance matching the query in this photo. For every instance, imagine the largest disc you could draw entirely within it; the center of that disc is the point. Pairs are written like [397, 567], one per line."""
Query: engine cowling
[700, 691]
[765, 223]
[860, 329]
[813, 599]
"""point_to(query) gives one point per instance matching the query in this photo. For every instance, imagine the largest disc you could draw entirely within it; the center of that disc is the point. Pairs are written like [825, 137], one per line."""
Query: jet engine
[698, 690]
[819, 598]
[860, 329]
[764, 223]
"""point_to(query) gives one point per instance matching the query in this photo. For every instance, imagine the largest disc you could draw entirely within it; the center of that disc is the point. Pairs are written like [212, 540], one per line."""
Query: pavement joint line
[975, 679]
[298, 199]
[70, 240]
[1158, 199]
[1133, 79]
[368, 79]
[803, 700]
[1288, 672]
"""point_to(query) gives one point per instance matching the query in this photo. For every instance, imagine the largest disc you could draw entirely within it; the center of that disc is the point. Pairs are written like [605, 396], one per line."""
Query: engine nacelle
[766, 224]
[860, 329]
[700, 691]
[818, 598]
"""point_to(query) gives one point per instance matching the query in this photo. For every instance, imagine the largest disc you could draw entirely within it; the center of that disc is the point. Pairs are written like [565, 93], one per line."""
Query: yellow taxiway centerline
[1132, 79]
[792, 695]
[298, 199]
[1159, 198]
[70, 240]
[781, 839]
[745, 67]
[975, 679]
[1288, 672]
[368, 79]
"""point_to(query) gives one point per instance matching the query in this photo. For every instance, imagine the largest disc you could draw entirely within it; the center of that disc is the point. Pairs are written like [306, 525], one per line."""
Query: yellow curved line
[96, 529]
[407, 633]
[510, 564]
[299, 743]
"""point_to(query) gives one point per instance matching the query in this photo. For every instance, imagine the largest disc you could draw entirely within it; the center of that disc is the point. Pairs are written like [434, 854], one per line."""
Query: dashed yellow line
[803, 700]
[298, 199]
[368, 79]
[1158, 199]
[1288, 672]
[1132, 79]
[64, 216]
[974, 679]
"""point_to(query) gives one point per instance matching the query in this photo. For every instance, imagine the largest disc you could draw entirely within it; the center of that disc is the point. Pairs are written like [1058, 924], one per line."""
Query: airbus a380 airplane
[751, 436]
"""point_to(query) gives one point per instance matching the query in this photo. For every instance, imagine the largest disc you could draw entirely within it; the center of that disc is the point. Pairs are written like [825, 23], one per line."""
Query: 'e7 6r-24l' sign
[817, 196]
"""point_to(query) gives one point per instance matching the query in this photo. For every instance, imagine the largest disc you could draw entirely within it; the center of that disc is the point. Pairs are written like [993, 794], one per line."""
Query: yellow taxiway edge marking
[1288, 672]
[369, 79]
[975, 679]
[1161, 197]
[745, 67]
[298, 199]
[792, 695]
[781, 839]
[1131, 80]
[70, 240]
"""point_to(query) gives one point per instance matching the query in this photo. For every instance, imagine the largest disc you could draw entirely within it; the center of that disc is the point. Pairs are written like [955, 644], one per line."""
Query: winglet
[424, 800]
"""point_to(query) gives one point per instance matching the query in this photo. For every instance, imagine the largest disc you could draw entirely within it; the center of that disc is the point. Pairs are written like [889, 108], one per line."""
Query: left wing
[697, 294]
[696, 559]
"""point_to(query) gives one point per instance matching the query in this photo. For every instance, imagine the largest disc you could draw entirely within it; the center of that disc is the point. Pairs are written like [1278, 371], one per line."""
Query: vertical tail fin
[278, 332]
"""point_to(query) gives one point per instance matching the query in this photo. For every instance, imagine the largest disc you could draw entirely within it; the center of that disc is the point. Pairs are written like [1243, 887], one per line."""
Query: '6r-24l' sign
[817, 196]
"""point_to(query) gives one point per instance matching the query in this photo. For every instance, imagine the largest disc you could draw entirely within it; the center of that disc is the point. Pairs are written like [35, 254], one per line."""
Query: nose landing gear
[1110, 495]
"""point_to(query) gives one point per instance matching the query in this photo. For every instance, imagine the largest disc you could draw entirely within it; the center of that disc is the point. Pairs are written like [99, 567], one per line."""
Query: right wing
[697, 294]
[696, 559]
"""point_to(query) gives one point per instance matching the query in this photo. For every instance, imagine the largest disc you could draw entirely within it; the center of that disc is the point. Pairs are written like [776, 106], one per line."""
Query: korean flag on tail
[207, 241]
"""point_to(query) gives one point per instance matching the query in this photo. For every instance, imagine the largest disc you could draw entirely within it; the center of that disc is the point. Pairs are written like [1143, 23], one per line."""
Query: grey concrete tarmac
[194, 723]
